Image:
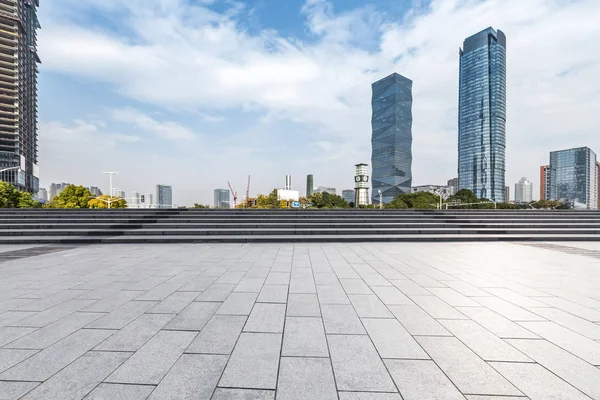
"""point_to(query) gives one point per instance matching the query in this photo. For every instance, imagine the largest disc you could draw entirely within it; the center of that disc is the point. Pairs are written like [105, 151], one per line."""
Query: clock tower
[361, 185]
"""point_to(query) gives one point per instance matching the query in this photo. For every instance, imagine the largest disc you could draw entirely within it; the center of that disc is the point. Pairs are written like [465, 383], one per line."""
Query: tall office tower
[507, 194]
[18, 93]
[574, 177]
[310, 186]
[348, 195]
[94, 190]
[545, 182]
[523, 191]
[43, 195]
[361, 185]
[392, 137]
[598, 183]
[52, 191]
[164, 196]
[453, 185]
[222, 198]
[135, 199]
[482, 115]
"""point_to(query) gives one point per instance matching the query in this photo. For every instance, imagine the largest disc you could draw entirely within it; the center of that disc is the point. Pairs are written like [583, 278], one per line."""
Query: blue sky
[196, 93]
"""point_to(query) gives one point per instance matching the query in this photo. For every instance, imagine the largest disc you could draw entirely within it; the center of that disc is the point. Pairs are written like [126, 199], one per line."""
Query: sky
[196, 93]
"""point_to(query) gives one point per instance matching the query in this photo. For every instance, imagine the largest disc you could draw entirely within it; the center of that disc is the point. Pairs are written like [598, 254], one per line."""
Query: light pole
[380, 199]
[110, 190]
[439, 194]
[8, 169]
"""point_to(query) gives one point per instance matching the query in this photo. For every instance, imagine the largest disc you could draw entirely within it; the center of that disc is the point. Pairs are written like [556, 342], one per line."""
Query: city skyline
[99, 88]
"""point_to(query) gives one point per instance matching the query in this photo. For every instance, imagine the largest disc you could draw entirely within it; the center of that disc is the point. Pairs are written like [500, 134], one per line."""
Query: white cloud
[190, 58]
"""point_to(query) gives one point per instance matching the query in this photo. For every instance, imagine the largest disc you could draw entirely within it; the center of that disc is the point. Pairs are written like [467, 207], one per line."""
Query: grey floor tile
[369, 306]
[219, 335]
[302, 285]
[326, 279]
[154, 359]
[508, 310]
[437, 308]
[15, 390]
[273, 294]
[570, 321]
[392, 340]
[422, 380]
[250, 285]
[585, 348]
[51, 301]
[136, 334]
[332, 295]
[390, 295]
[9, 334]
[409, 287]
[254, 362]
[243, 394]
[341, 319]
[572, 369]
[303, 305]
[11, 357]
[199, 284]
[80, 377]
[537, 382]
[418, 322]
[117, 391]
[468, 372]
[453, 298]
[47, 362]
[160, 292]
[369, 396]
[54, 332]
[194, 316]
[174, 304]
[238, 304]
[357, 366]
[466, 289]
[10, 317]
[496, 323]
[355, 286]
[304, 337]
[573, 308]
[515, 298]
[487, 345]
[53, 314]
[306, 378]
[123, 315]
[476, 397]
[231, 277]
[266, 318]
[216, 292]
[194, 376]
[112, 302]
[278, 278]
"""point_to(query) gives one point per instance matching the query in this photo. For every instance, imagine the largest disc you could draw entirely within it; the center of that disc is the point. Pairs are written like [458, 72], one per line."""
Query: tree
[71, 197]
[102, 202]
[10, 197]
[328, 200]
[421, 200]
[397, 203]
[465, 196]
[267, 201]
[197, 205]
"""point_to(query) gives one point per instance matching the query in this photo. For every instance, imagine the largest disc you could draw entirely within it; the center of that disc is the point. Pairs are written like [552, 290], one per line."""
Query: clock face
[357, 178]
[365, 179]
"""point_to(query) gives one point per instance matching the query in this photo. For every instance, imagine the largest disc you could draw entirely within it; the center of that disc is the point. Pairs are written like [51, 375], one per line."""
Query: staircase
[42, 226]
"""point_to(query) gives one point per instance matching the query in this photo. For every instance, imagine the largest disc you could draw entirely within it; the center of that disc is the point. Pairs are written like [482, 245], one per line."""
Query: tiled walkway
[331, 321]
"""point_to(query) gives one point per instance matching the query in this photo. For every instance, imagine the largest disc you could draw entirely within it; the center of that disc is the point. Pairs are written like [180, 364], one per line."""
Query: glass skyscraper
[164, 196]
[392, 137]
[573, 177]
[482, 115]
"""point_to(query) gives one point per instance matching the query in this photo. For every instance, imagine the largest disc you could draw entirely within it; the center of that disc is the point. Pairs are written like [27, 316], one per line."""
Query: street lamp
[8, 169]
[380, 199]
[438, 192]
[110, 190]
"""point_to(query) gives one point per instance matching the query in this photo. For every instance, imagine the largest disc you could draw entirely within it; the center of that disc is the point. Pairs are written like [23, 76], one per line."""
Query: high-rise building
[598, 183]
[310, 186]
[18, 93]
[482, 115]
[453, 185]
[135, 200]
[392, 137]
[164, 196]
[444, 191]
[119, 193]
[523, 191]
[348, 195]
[507, 194]
[95, 191]
[221, 198]
[574, 177]
[361, 185]
[325, 189]
[55, 189]
[43, 195]
[545, 182]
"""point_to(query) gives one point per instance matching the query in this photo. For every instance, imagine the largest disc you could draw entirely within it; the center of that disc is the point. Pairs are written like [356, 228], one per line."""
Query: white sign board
[288, 195]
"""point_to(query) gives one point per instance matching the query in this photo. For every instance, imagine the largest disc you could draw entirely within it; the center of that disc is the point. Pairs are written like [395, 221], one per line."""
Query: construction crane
[234, 194]
[248, 189]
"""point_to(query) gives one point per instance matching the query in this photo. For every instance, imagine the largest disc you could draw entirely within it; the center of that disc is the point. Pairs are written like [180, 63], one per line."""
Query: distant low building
[119, 193]
[43, 195]
[545, 182]
[445, 191]
[523, 191]
[574, 177]
[95, 191]
[507, 194]
[221, 198]
[453, 185]
[164, 196]
[348, 195]
[55, 189]
[325, 189]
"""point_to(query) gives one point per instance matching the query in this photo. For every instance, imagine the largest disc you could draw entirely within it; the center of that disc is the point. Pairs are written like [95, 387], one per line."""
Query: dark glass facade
[573, 177]
[482, 115]
[392, 137]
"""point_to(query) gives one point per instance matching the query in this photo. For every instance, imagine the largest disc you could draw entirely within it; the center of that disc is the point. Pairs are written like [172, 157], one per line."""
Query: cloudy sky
[194, 93]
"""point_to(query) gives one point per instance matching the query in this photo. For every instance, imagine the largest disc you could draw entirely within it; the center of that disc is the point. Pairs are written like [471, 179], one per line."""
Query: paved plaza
[413, 321]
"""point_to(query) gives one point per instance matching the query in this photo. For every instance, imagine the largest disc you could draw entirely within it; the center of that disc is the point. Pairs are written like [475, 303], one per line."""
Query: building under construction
[18, 93]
